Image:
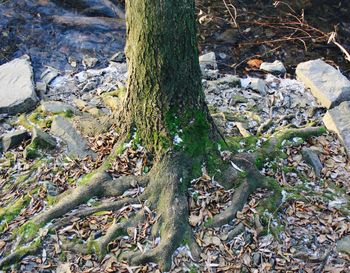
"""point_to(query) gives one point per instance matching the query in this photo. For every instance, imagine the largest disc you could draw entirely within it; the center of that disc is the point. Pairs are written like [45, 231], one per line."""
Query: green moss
[86, 178]
[209, 222]
[40, 118]
[25, 250]
[12, 211]
[272, 202]
[102, 213]
[193, 269]
[23, 121]
[51, 200]
[27, 231]
[192, 128]
[116, 151]
[31, 151]
[68, 114]
[237, 143]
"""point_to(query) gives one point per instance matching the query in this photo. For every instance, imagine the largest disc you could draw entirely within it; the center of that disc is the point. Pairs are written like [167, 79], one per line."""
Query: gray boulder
[255, 84]
[209, 66]
[57, 107]
[17, 92]
[338, 120]
[343, 245]
[326, 83]
[311, 158]
[208, 61]
[43, 139]
[275, 67]
[231, 80]
[76, 144]
[49, 75]
[40, 140]
[13, 139]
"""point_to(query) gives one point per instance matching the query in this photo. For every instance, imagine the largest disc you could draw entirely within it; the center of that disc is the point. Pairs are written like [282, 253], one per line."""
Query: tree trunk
[164, 85]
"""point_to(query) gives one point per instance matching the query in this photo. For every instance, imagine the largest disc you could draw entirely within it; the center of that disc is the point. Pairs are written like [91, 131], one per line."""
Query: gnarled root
[252, 180]
[166, 193]
[99, 185]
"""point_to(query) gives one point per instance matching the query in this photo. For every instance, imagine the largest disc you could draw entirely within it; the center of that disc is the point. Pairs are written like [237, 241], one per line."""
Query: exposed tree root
[99, 185]
[252, 178]
[166, 192]
[107, 206]
[277, 139]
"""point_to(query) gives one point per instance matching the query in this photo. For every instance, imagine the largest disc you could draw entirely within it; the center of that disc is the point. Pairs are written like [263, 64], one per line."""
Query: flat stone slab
[57, 107]
[13, 139]
[17, 91]
[343, 245]
[338, 120]
[76, 144]
[326, 83]
[275, 67]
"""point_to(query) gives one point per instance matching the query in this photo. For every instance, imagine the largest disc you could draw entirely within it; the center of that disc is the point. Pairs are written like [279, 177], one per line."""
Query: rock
[95, 101]
[63, 268]
[230, 36]
[338, 120]
[209, 66]
[51, 189]
[80, 103]
[208, 61]
[222, 56]
[275, 67]
[94, 111]
[210, 74]
[41, 88]
[13, 139]
[311, 158]
[72, 61]
[49, 75]
[231, 80]
[89, 62]
[237, 99]
[256, 259]
[40, 140]
[89, 86]
[111, 102]
[343, 245]
[77, 146]
[326, 83]
[17, 94]
[89, 263]
[43, 139]
[118, 57]
[92, 126]
[57, 107]
[255, 84]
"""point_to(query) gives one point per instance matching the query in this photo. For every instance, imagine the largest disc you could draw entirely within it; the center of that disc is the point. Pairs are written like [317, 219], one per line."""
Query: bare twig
[332, 39]
[234, 14]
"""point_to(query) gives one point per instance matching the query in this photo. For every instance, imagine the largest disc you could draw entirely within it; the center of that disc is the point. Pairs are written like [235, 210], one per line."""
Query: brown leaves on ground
[254, 63]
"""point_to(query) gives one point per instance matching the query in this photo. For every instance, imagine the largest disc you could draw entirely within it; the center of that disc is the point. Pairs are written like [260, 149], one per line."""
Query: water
[52, 31]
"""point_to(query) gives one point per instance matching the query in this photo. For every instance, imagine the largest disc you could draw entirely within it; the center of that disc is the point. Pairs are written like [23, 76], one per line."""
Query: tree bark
[164, 79]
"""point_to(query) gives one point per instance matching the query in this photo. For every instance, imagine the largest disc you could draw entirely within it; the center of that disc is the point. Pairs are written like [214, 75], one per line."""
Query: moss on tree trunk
[164, 92]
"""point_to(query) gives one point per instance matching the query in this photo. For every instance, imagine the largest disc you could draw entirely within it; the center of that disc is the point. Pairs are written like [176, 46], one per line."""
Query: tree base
[165, 192]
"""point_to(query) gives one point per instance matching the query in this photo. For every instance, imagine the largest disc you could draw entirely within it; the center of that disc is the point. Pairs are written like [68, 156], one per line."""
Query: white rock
[254, 84]
[326, 83]
[17, 92]
[338, 120]
[208, 61]
[275, 67]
